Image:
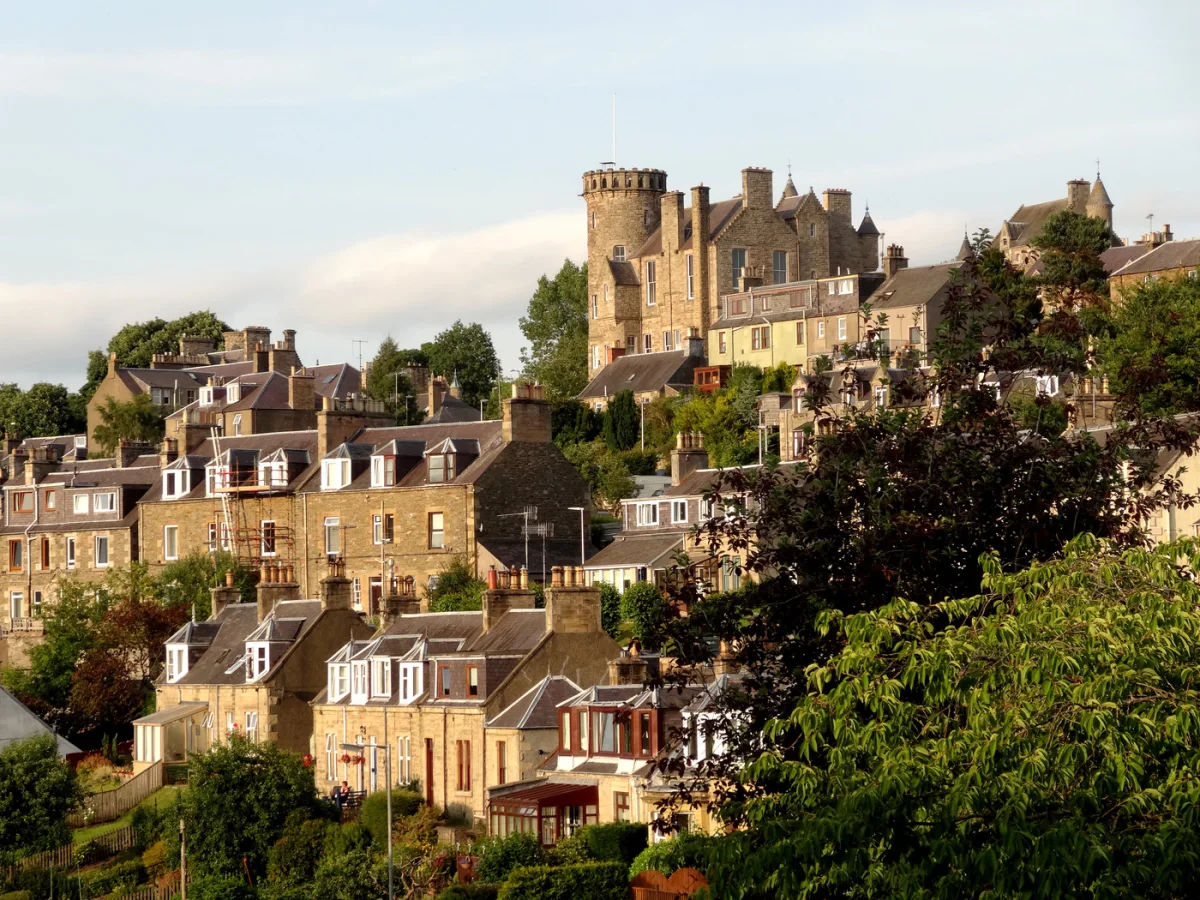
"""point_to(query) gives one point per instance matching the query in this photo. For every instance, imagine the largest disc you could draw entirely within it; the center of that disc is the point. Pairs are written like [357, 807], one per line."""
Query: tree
[556, 326]
[457, 588]
[605, 472]
[621, 421]
[134, 420]
[1151, 354]
[387, 381]
[45, 409]
[37, 791]
[610, 609]
[188, 582]
[981, 240]
[778, 379]
[573, 423]
[137, 343]
[1070, 245]
[644, 607]
[1039, 738]
[466, 351]
[239, 797]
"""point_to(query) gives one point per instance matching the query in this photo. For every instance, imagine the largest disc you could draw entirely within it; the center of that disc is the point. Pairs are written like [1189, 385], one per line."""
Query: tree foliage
[138, 342]
[466, 351]
[238, 799]
[610, 609]
[606, 474]
[1041, 738]
[37, 791]
[45, 409]
[188, 582]
[621, 421]
[137, 419]
[457, 588]
[387, 381]
[644, 607]
[1070, 245]
[556, 326]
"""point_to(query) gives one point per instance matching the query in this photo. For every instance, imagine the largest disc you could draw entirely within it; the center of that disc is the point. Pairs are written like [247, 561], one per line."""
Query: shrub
[686, 851]
[154, 859]
[295, 856]
[419, 828]
[25, 895]
[374, 811]
[350, 877]
[343, 839]
[585, 881]
[616, 841]
[644, 606]
[571, 850]
[219, 887]
[499, 856]
[475, 891]
[125, 874]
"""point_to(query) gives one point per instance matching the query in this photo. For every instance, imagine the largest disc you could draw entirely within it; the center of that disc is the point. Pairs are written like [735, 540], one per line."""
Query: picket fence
[107, 806]
[656, 886]
[64, 857]
[167, 887]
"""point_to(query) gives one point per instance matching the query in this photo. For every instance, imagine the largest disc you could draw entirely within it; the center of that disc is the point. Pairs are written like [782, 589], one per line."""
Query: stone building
[1167, 260]
[174, 380]
[657, 267]
[63, 515]
[249, 668]
[461, 700]
[1018, 232]
[663, 373]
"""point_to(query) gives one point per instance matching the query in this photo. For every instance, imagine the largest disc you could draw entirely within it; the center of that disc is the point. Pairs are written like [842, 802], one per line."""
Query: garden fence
[107, 806]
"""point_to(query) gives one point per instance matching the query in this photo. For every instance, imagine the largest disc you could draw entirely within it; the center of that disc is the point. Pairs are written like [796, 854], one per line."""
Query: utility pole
[183, 878]
[582, 553]
[360, 346]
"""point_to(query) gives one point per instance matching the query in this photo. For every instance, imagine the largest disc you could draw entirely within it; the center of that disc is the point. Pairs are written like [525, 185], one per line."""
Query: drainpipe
[37, 510]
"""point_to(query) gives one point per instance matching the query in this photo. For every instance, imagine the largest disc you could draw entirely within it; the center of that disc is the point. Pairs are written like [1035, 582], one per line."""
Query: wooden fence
[107, 806]
[164, 889]
[656, 886]
[64, 857]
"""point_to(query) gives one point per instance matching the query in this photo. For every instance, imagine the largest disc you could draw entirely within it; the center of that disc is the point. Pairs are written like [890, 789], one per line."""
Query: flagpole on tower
[614, 129]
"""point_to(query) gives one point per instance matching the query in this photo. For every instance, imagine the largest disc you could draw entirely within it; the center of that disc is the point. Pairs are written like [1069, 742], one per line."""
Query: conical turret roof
[789, 189]
[965, 252]
[1098, 196]
[868, 224]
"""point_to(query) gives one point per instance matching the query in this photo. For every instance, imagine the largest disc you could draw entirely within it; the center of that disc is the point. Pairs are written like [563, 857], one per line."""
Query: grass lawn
[162, 796]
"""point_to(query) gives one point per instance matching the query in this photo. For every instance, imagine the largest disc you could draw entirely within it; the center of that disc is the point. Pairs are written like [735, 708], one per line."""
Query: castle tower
[623, 209]
[1098, 204]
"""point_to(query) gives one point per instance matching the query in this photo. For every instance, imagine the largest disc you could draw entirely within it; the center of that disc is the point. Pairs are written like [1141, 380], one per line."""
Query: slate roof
[236, 624]
[518, 631]
[453, 410]
[632, 549]
[537, 707]
[1171, 255]
[623, 273]
[1115, 257]
[641, 372]
[17, 722]
[1026, 223]
[719, 215]
[917, 286]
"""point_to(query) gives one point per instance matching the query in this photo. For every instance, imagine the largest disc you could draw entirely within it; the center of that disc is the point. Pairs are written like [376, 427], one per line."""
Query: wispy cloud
[408, 285]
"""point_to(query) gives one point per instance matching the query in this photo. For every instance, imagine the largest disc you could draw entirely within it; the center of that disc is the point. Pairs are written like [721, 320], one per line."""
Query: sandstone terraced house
[461, 700]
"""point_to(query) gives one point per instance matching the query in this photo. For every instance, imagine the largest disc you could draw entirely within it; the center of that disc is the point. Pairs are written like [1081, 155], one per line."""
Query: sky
[364, 169]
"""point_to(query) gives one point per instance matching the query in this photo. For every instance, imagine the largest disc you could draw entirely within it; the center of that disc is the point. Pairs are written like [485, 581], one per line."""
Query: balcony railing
[20, 624]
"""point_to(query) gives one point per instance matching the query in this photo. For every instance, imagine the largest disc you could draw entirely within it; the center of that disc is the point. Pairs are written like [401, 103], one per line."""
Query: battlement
[624, 180]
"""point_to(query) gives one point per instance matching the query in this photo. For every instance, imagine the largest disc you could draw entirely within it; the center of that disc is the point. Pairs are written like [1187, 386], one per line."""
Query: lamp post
[642, 408]
[582, 553]
[361, 749]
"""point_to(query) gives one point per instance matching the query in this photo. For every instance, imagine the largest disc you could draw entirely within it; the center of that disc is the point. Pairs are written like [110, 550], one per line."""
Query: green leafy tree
[188, 582]
[238, 799]
[645, 608]
[1152, 352]
[466, 351]
[689, 850]
[37, 791]
[221, 887]
[573, 423]
[1040, 738]
[45, 409]
[457, 588]
[556, 326]
[1070, 246]
[610, 609]
[387, 381]
[136, 343]
[135, 420]
[499, 856]
[622, 422]
[778, 379]
[605, 472]
[981, 240]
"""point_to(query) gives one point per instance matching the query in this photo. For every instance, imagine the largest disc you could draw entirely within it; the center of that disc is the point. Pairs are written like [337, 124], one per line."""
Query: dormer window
[258, 660]
[273, 474]
[411, 682]
[383, 471]
[206, 396]
[339, 681]
[176, 483]
[381, 677]
[177, 662]
[335, 474]
[358, 686]
[233, 392]
[441, 468]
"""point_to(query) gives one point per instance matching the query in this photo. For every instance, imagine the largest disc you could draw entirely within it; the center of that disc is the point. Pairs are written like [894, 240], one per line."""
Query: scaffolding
[245, 526]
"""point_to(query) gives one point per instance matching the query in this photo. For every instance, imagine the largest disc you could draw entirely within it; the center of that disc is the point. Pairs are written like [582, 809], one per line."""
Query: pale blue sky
[357, 169]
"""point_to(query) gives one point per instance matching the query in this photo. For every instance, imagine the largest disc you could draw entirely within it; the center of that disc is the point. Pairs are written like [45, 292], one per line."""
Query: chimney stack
[168, 452]
[526, 415]
[894, 260]
[671, 210]
[629, 667]
[275, 584]
[302, 391]
[128, 452]
[757, 192]
[688, 456]
[508, 594]
[1077, 195]
[335, 587]
[571, 606]
[223, 595]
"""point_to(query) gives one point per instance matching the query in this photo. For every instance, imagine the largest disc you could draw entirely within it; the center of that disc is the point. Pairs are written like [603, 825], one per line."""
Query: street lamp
[361, 750]
[582, 553]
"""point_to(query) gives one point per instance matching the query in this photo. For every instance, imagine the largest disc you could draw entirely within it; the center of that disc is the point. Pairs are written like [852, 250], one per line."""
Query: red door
[429, 772]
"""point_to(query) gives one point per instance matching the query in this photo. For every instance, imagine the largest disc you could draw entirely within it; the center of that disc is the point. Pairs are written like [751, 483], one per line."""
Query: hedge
[474, 891]
[616, 841]
[687, 850]
[586, 881]
[374, 811]
[499, 856]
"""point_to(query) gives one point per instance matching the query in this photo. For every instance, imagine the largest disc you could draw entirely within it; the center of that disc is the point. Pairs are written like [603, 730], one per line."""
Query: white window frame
[618, 250]
[595, 306]
[258, 660]
[70, 553]
[821, 330]
[679, 512]
[330, 757]
[335, 474]
[377, 529]
[237, 424]
[170, 542]
[880, 396]
[846, 286]
[80, 504]
[109, 503]
[841, 324]
[252, 725]
[667, 341]
[333, 536]
[229, 723]
[206, 396]
[735, 268]
[100, 540]
[339, 681]
[691, 276]
[646, 514]
[381, 677]
[359, 682]
[177, 662]
[778, 276]
[651, 283]
[262, 538]
[441, 543]
[831, 288]
[1047, 385]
